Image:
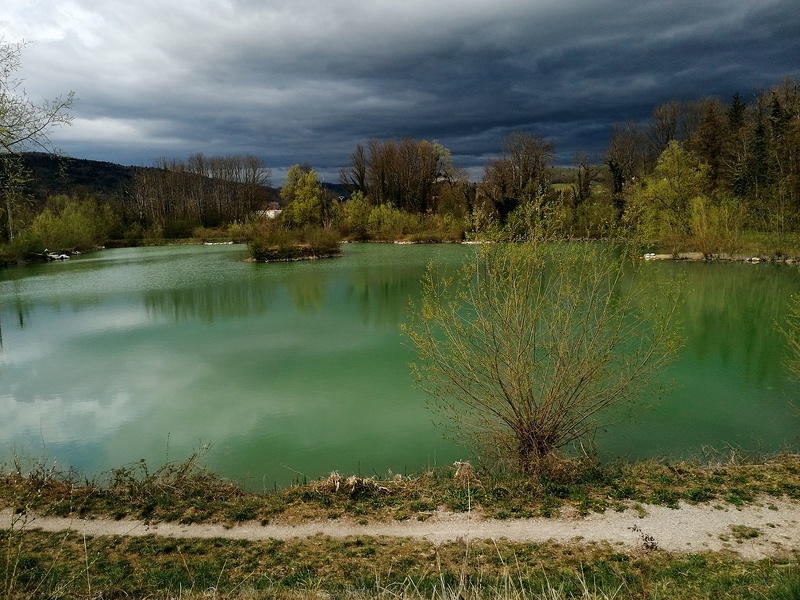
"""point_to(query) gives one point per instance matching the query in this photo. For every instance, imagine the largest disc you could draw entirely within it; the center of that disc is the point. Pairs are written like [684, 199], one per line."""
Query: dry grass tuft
[465, 476]
[355, 487]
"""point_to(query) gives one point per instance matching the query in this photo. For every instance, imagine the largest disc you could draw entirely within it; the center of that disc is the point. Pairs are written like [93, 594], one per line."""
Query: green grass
[69, 566]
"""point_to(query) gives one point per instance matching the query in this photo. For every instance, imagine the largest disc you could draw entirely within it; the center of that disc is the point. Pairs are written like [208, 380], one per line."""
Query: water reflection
[307, 289]
[237, 298]
[17, 305]
[730, 386]
[210, 303]
[190, 348]
[732, 314]
[382, 295]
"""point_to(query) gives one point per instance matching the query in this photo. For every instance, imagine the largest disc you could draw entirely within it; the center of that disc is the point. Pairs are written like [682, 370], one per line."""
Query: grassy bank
[66, 565]
[188, 493]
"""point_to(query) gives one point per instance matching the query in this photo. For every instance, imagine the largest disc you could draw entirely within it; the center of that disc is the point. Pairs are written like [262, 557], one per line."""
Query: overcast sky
[305, 81]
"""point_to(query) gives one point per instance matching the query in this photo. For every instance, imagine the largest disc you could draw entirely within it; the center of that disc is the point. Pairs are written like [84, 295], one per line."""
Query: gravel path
[767, 529]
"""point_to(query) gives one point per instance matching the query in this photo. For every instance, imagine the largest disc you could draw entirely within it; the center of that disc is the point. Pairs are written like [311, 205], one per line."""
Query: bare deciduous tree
[24, 125]
[665, 125]
[521, 176]
[354, 177]
[405, 174]
[530, 157]
[586, 173]
[203, 190]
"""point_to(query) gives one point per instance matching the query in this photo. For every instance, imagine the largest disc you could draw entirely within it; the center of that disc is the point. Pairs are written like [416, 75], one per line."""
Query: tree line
[702, 172]
[696, 176]
[203, 191]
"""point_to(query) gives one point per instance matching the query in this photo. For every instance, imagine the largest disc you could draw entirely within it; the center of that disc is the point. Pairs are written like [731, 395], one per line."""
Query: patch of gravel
[770, 528]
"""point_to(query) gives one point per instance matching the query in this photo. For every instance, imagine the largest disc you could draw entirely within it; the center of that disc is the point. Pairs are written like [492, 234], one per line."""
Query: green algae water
[291, 370]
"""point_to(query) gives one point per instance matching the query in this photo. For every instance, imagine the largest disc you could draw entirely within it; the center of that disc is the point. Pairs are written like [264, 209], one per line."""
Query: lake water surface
[296, 369]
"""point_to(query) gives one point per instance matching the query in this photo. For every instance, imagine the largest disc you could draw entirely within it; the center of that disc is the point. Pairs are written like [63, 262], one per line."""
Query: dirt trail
[767, 529]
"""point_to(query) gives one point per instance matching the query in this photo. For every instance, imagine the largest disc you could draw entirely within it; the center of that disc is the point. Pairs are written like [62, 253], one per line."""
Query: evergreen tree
[736, 112]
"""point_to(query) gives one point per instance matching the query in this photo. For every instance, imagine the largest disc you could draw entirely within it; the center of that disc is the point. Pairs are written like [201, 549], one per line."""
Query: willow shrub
[531, 345]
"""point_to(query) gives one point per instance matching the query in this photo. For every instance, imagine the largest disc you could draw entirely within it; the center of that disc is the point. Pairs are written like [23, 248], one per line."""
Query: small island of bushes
[272, 244]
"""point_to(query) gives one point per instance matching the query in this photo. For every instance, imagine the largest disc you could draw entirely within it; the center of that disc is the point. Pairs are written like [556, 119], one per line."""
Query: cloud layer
[302, 81]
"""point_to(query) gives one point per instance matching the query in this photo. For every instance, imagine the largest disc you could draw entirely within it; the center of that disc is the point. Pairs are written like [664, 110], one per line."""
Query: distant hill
[337, 189]
[63, 175]
[53, 175]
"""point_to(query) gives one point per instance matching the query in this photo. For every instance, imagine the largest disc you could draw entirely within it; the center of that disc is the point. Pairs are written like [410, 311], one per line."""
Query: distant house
[271, 213]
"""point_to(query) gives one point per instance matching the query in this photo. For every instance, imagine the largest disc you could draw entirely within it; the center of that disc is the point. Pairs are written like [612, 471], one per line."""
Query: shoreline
[741, 258]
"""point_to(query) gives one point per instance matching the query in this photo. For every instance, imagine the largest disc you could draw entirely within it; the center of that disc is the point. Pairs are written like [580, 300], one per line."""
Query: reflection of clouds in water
[49, 330]
[59, 419]
[31, 351]
[122, 318]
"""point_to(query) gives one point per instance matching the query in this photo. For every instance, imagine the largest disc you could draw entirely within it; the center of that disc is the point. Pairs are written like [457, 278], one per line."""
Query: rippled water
[293, 370]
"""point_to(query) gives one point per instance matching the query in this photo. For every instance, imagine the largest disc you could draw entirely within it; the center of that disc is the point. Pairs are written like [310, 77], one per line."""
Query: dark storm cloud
[307, 81]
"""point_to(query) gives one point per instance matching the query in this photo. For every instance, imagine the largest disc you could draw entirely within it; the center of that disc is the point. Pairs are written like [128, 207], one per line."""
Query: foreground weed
[25, 573]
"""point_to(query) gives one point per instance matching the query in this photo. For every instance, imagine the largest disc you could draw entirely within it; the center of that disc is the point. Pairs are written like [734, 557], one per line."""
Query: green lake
[292, 370]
